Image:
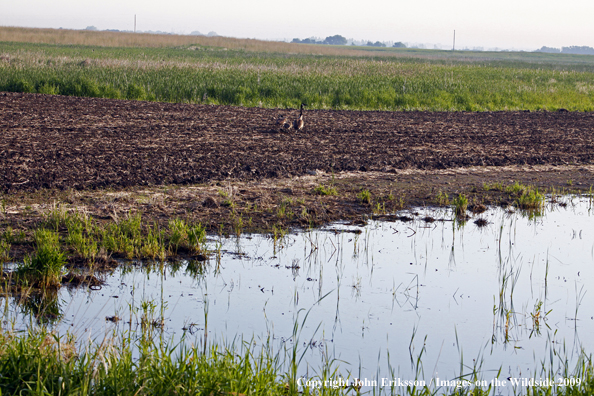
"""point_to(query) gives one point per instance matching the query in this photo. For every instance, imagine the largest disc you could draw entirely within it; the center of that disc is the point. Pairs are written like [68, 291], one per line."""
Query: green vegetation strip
[77, 235]
[236, 77]
[39, 362]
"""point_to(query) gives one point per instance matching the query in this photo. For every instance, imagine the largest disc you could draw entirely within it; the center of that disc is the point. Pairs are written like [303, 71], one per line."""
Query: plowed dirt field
[85, 143]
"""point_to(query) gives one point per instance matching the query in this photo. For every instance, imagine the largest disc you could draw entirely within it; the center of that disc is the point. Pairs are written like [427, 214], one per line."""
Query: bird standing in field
[283, 123]
[298, 123]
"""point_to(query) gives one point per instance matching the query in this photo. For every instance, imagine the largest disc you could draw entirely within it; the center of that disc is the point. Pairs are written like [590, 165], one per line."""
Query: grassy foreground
[286, 75]
[39, 362]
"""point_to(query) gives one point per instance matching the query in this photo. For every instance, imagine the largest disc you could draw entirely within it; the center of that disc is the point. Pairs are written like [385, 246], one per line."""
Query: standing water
[425, 299]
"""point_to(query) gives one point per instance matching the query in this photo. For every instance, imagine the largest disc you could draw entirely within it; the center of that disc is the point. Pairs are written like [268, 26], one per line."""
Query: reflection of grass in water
[44, 306]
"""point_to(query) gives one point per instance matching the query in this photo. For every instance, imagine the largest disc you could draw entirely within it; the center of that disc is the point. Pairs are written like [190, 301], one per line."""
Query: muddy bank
[231, 207]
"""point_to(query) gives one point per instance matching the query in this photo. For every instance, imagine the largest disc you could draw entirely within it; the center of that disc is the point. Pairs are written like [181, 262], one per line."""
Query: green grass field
[386, 79]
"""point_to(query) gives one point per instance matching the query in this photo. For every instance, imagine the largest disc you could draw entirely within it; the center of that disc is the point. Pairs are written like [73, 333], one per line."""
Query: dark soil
[85, 143]
[233, 170]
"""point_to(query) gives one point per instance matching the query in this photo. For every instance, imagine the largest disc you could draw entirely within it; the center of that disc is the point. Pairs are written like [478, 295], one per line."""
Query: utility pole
[134, 23]
[454, 47]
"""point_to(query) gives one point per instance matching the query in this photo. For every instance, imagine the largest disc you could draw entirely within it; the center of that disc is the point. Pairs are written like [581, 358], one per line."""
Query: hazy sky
[520, 24]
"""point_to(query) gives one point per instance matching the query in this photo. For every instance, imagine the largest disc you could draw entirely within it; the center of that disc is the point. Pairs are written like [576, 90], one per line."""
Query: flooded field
[427, 298]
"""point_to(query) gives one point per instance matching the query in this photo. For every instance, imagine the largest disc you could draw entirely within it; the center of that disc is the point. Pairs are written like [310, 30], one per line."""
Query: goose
[298, 124]
[283, 122]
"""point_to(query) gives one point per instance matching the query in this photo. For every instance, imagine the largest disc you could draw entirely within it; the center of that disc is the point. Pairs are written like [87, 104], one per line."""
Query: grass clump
[325, 190]
[197, 238]
[364, 197]
[123, 237]
[81, 237]
[44, 268]
[178, 234]
[4, 252]
[526, 197]
[460, 205]
[531, 200]
[442, 199]
[6, 240]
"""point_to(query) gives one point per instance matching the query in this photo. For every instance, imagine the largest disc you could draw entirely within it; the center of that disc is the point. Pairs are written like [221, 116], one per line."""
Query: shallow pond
[423, 299]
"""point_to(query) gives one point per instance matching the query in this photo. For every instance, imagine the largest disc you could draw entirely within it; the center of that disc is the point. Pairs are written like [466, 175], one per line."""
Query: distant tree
[90, 28]
[574, 49]
[296, 40]
[310, 41]
[549, 50]
[196, 33]
[399, 45]
[376, 44]
[335, 40]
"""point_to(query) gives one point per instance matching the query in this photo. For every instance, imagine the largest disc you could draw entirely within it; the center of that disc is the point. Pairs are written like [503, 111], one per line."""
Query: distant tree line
[330, 40]
[340, 40]
[574, 49]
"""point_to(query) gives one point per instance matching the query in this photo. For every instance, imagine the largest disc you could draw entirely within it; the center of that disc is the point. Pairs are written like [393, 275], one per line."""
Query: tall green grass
[243, 78]
[44, 268]
[43, 363]
[40, 362]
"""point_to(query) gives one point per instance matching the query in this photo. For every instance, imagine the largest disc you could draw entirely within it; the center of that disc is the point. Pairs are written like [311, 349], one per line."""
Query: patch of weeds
[304, 214]
[197, 238]
[20, 237]
[493, 186]
[55, 218]
[379, 208]
[124, 237]
[80, 237]
[228, 203]
[325, 190]
[284, 209]
[8, 235]
[4, 253]
[43, 269]
[460, 205]
[442, 199]
[281, 211]
[278, 233]
[178, 234]
[364, 197]
[531, 199]
[152, 246]
[516, 189]
[238, 225]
